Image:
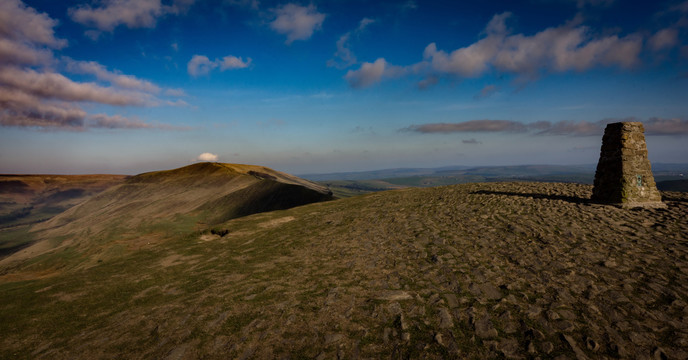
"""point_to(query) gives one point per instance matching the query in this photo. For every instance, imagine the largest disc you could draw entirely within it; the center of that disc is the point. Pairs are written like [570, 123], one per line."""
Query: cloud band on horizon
[653, 126]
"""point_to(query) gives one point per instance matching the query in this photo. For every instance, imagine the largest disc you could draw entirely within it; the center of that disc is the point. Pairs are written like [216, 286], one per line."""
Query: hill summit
[200, 194]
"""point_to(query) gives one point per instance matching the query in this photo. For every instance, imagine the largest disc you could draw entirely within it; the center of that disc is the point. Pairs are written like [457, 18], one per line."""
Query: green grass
[14, 239]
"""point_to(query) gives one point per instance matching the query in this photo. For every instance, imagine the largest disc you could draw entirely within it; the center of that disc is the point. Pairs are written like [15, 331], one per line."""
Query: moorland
[229, 261]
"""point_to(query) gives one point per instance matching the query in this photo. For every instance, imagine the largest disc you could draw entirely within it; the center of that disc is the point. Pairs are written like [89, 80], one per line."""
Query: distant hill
[379, 174]
[203, 193]
[673, 185]
[355, 183]
[29, 198]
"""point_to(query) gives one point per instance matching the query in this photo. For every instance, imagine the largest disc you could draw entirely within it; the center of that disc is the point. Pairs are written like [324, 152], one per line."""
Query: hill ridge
[185, 198]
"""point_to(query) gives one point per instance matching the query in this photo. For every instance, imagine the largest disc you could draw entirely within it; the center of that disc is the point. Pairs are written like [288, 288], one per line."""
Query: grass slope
[466, 271]
[151, 201]
[29, 199]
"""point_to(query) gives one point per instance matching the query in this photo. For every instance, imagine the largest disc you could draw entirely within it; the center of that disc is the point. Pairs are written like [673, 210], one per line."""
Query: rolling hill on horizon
[345, 184]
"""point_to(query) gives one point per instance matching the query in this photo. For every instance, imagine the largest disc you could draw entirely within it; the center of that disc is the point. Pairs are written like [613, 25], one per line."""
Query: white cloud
[34, 95]
[25, 34]
[207, 157]
[24, 24]
[175, 92]
[201, 65]
[131, 13]
[569, 47]
[297, 22]
[13, 52]
[368, 74]
[660, 126]
[663, 39]
[564, 48]
[115, 78]
[372, 73]
[232, 62]
[50, 85]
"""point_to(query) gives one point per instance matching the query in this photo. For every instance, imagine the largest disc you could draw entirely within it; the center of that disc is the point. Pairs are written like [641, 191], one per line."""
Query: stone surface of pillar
[624, 175]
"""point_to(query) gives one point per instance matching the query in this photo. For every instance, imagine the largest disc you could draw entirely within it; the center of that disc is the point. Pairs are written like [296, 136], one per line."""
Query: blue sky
[127, 86]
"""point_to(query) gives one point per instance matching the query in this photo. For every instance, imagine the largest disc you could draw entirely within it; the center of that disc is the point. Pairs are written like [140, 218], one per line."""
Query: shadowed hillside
[29, 199]
[490, 270]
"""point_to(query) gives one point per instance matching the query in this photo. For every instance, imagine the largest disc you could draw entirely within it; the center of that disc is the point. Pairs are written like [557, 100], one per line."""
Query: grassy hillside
[29, 199]
[485, 270]
[175, 200]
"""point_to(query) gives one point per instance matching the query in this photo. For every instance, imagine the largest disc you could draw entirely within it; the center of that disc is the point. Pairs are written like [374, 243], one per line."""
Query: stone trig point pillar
[624, 176]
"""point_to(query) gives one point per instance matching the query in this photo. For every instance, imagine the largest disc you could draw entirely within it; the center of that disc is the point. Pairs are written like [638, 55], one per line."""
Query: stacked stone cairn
[624, 175]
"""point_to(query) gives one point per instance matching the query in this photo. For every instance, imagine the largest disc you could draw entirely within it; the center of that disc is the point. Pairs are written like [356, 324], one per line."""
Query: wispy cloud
[592, 3]
[201, 65]
[344, 57]
[297, 22]
[653, 126]
[659, 126]
[428, 82]
[576, 128]
[130, 13]
[253, 4]
[486, 91]
[469, 126]
[113, 77]
[663, 39]
[408, 6]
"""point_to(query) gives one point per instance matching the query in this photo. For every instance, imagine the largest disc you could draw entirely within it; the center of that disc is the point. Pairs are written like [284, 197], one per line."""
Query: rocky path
[514, 270]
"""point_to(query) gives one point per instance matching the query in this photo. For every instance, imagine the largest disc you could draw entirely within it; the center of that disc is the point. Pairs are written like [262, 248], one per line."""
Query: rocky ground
[513, 270]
